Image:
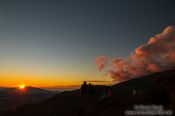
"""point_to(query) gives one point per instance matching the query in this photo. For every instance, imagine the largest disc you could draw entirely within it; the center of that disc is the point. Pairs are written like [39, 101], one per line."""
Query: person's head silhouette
[84, 88]
[84, 83]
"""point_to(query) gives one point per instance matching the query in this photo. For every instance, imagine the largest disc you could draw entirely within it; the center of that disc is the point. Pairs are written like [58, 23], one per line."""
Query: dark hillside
[158, 88]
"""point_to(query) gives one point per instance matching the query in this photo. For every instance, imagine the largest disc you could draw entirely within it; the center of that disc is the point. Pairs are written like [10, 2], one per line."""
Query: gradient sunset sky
[55, 42]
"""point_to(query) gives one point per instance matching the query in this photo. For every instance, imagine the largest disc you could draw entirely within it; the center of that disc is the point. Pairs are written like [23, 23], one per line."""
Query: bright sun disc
[22, 86]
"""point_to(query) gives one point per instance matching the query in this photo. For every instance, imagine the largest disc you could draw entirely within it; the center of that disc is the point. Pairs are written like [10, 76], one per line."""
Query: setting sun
[22, 86]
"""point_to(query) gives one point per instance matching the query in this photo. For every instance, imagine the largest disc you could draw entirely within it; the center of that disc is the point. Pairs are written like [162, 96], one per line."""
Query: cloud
[101, 62]
[97, 81]
[156, 55]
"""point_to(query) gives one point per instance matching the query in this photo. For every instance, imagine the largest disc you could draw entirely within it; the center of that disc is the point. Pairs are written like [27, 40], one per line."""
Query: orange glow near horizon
[44, 81]
[51, 84]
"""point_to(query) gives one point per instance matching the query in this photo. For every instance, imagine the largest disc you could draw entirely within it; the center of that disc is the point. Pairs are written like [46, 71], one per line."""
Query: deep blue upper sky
[63, 37]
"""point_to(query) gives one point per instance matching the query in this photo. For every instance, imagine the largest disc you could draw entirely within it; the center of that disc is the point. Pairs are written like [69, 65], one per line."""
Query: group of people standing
[107, 93]
[87, 89]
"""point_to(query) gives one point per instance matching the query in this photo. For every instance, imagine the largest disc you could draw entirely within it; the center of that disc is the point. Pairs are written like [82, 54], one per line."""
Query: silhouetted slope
[10, 97]
[34, 90]
[158, 88]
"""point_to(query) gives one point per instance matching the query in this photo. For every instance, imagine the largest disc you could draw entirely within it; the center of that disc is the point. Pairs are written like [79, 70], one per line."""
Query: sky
[50, 43]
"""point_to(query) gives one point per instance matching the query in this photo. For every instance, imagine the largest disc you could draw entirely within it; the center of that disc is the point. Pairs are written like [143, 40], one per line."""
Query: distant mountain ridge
[15, 97]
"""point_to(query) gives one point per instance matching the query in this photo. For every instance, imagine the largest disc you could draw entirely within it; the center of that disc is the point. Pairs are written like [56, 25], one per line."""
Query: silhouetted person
[104, 94]
[109, 93]
[91, 89]
[84, 88]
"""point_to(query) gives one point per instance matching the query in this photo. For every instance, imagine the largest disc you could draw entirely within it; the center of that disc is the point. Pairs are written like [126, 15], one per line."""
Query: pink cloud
[101, 62]
[156, 55]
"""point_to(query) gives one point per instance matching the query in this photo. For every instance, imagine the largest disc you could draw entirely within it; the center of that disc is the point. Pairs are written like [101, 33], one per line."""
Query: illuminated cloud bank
[156, 55]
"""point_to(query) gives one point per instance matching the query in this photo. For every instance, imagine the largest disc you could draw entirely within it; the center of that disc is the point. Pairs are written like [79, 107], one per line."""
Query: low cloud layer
[98, 81]
[156, 55]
